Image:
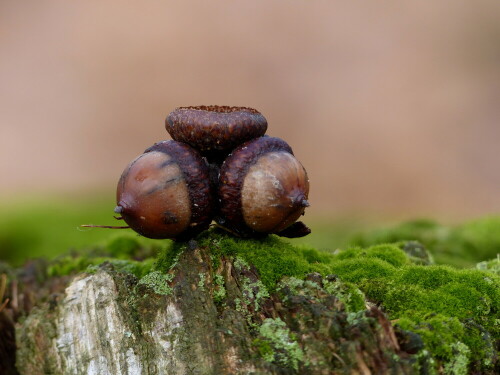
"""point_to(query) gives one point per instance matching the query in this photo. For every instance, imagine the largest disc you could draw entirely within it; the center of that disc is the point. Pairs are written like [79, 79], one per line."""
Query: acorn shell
[215, 129]
[263, 188]
[166, 193]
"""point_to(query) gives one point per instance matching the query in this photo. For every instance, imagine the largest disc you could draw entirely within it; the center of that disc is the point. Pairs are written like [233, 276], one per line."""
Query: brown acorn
[166, 193]
[215, 130]
[263, 188]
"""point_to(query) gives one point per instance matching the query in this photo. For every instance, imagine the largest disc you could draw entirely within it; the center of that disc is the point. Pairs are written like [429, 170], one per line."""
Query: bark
[204, 317]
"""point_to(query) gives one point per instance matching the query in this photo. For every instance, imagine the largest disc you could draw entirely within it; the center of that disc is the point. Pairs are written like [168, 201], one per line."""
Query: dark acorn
[215, 130]
[166, 193]
[263, 188]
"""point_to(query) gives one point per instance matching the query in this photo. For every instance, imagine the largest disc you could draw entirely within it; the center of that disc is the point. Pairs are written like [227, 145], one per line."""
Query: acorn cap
[215, 128]
[262, 188]
[166, 193]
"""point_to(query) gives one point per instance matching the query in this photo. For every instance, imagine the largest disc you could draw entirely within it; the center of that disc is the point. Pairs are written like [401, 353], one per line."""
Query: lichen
[350, 295]
[277, 344]
[254, 292]
[158, 282]
[201, 283]
[459, 364]
[220, 291]
[492, 266]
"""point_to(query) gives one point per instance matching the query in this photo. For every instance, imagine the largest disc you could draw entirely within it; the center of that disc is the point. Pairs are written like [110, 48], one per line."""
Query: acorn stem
[103, 226]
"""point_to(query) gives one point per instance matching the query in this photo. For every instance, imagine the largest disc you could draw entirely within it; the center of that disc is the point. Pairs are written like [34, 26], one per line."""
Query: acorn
[263, 189]
[215, 130]
[166, 192]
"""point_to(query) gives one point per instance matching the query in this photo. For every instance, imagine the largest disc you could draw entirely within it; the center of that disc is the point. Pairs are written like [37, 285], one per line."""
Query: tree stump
[205, 316]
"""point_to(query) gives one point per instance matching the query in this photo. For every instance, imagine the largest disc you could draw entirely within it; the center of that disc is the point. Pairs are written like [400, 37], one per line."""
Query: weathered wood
[203, 317]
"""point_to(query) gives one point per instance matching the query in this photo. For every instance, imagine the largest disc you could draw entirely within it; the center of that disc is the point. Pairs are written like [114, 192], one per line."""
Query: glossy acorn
[263, 189]
[166, 192]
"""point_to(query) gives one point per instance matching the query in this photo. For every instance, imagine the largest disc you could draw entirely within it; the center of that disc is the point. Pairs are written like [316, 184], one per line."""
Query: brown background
[393, 108]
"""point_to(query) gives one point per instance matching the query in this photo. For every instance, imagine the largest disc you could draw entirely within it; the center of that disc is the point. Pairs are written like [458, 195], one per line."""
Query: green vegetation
[491, 266]
[273, 257]
[456, 312]
[158, 282]
[127, 253]
[34, 228]
[278, 344]
[462, 245]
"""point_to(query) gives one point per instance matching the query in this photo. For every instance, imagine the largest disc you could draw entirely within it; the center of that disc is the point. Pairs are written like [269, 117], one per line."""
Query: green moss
[389, 253]
[68, 265]
[272, 257]
[358, 269]
[168, 257]
[462, 245]
[277, 344]
[121, 246]
[439, 333]
[444, 305]
[264, 349]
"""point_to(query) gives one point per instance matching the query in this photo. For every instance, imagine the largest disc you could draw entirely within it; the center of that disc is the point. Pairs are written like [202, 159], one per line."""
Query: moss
[68, 265]
[358, 269]
[272, 257]
[348, 293]
[158, 282]
[168, 257]
[443, 304]
[461, 245]
[389, 253]
[439, 333]
[277, 344]
[264, 349]
[427, 277]
[123, 246]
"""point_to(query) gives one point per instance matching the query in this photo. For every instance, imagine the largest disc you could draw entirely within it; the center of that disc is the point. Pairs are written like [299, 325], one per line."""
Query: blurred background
[393, 109]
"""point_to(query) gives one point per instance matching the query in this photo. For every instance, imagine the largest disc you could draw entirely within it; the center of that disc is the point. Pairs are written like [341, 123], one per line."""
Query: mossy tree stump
[206, 315]
[222, 305]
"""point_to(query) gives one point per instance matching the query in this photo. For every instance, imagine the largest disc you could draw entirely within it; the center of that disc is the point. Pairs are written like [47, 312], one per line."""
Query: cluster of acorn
[219, 166]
